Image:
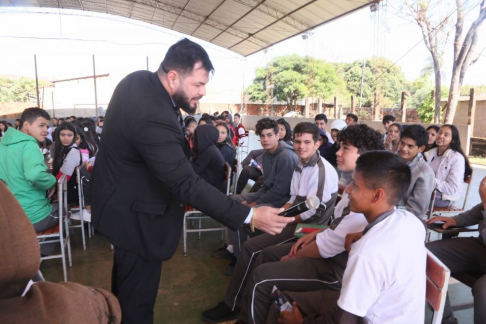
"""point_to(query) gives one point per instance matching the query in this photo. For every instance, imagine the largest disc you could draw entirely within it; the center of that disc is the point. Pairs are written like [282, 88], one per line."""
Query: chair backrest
[467, 181]
[436, 286]
[227, 176]
[430, 209]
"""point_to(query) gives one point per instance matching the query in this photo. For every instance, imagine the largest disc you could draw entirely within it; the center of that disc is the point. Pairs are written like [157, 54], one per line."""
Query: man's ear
[173, 78]
[421, 149]
[378, 195]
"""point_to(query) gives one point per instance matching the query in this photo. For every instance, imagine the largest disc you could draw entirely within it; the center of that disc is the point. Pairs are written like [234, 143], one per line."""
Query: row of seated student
[441, 150]
[248, 296]
[25, 172]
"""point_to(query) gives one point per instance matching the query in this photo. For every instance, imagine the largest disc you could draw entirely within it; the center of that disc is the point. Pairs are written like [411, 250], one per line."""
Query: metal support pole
[95, 90]
[36, 81]
[52, 97]
[362, 81]
[147, 64]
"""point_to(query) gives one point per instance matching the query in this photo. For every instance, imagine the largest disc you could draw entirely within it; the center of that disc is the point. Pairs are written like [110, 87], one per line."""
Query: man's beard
[183, 102]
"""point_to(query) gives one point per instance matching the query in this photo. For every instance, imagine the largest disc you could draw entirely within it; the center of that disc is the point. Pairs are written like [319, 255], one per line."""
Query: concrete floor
[189, 285]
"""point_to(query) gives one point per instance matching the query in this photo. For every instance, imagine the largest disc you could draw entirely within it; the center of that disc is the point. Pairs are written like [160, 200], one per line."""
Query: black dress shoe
[220, 313]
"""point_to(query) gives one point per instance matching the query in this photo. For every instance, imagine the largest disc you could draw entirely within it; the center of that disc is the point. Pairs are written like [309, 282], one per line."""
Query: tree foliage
[18, 90]
[294, 78]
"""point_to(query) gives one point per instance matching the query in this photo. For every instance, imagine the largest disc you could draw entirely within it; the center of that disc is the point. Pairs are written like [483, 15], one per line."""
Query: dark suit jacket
[142, 175]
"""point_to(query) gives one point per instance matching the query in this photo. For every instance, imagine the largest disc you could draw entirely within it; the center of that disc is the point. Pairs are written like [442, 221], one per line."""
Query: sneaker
[222, 253]
[230, 268]
[220, 313]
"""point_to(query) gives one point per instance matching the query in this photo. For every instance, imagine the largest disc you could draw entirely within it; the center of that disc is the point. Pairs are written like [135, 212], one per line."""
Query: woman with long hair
[450, 165]
[432, 130]
[393, 137]
[3, 128]
[225, 144]
[87, 131]
[284, 131]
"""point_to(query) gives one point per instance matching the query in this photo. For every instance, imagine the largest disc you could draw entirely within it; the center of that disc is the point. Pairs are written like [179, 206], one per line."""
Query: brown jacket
[45, 302]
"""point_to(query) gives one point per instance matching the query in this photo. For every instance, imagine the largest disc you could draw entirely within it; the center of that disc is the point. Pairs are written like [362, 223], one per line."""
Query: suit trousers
[300, 275]
[464, 254]
[135, 282]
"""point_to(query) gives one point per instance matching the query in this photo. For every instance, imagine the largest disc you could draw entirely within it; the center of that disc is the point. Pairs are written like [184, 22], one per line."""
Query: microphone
[309, 204]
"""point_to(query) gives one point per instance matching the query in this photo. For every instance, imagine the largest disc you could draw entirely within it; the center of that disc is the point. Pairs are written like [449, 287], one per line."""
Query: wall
[461, 117]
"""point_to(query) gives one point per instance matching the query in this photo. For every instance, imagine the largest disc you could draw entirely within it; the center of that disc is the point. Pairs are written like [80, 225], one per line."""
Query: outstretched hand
[268, 221]
[448, 221]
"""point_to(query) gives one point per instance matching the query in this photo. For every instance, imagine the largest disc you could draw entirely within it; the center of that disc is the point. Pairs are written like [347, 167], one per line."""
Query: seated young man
[23, 169]
[417, 198]
[321, 122]
[465, 254]
[384, 280]
[279, 161]
[354, 141]
[351, 119]
[313, 177]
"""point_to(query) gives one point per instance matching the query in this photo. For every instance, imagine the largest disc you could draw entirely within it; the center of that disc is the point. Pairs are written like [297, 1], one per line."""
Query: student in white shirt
[314, 263]
[384, 280]
[449, 164]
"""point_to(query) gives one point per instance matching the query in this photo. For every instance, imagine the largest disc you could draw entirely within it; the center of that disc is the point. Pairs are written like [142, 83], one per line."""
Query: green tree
[294, 78]
[379, 75]
[18, 90]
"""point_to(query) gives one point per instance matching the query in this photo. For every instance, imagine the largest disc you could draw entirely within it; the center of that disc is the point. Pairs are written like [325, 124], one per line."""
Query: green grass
[477, 160]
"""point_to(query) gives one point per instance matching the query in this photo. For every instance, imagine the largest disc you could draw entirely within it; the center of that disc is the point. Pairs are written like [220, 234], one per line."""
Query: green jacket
[23, 169]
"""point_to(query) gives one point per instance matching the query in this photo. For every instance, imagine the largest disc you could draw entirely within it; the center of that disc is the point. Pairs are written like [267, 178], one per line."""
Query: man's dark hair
[353, 116]
[307, 128]
[31, 114]
[73, 117]
[183, 55]
[387, 118]
[237, 115]
[416, 133]
[18, 119]
[61, 119]
[386, 170]
[363, 137]
[266, 123]
[321, 117]
[206, 119]
[221, 117]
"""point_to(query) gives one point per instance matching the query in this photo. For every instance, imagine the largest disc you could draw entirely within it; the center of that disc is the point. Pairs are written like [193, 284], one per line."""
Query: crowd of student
[374, 190]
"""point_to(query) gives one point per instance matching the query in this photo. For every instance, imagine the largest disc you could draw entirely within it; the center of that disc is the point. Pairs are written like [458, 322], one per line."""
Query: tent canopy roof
[242, 26]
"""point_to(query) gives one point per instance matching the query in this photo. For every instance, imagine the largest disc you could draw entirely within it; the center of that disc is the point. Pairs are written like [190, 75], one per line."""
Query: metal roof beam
[202, 23]
[190, 15]
[275, 13]
[175, 21]
[276, 21]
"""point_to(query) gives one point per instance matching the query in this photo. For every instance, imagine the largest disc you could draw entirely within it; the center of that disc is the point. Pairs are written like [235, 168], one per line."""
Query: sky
[65, 41]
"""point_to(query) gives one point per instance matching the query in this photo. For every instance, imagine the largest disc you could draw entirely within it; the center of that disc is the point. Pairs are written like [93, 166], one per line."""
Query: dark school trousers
[248, 172]
[135, 282]
[299, 275]
[464, 254]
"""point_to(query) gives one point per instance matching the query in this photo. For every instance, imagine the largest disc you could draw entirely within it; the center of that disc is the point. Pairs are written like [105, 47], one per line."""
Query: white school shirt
[305, 184]
[331, 243]
[384, 280]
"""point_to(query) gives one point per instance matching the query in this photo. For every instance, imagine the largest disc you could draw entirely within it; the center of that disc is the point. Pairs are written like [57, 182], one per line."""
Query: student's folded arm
[281, 185]
[471, 217]
[35, 170]
[159, 143]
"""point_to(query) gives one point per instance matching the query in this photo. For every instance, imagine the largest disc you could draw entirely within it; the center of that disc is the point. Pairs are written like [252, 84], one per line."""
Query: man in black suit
[142, 177]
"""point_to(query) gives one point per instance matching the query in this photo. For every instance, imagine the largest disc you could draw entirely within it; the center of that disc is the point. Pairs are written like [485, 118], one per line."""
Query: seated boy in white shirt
[384, 280]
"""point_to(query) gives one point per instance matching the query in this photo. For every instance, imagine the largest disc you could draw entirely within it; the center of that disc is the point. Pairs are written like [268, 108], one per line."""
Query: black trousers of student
[135, 282]
[248, 172]
[464, 254]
